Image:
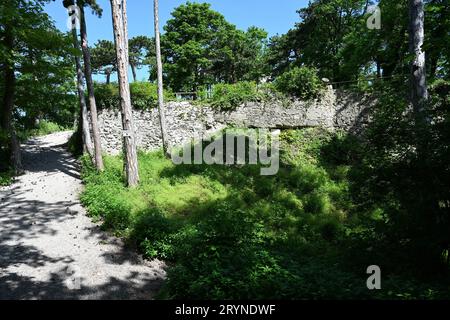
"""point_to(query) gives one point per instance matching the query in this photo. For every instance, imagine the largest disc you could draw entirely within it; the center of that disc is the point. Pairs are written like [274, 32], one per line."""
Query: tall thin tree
[161, 109]
[90, 85]
[419, 91]
[6, 115]
[119, 17]
[84, 121]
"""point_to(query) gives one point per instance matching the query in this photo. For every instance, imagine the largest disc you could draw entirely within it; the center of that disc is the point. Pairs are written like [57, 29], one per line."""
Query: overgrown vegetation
[45, 127]
[5, 178]
[338, 204]
[144, 95]
[300, 82]
[233, 234]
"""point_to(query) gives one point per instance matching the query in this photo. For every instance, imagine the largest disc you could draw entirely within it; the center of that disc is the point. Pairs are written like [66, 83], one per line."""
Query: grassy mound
[230, 233]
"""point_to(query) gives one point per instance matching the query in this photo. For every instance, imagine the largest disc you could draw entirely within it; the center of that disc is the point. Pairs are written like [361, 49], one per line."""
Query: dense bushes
[405, 170]
[231, 233]
[300, 82]
[46, 127]
[230, 96]
[43, 128]
[144, 95]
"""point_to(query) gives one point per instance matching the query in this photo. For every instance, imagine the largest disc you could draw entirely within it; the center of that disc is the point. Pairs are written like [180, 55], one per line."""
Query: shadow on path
[49, 249]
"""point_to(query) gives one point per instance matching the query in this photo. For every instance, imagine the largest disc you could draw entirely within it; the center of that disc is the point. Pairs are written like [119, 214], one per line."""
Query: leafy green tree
[188, 45]
[437, 38]
[239, 55]
[104, 60]
[34, 70]
[282, 51]
[140, 48]
[200, 47]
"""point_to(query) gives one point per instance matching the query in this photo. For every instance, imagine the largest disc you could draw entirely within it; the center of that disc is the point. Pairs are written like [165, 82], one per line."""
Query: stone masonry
[334, 110]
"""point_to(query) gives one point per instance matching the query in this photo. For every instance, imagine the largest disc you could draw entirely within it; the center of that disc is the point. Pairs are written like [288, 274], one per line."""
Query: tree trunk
[379, 75]
[133, 71]
[433, 66]
[8, 104]
[162, 117]
[90, 87]
[108, 78]
[419, 92]
[119, 17]
[87, 141]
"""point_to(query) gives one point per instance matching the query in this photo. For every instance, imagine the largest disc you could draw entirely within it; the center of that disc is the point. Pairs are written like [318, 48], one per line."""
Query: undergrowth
[229, 233]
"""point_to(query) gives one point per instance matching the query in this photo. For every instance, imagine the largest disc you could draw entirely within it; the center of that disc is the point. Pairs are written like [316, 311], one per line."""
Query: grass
[230, 233]
[44, 128]
[6, 178]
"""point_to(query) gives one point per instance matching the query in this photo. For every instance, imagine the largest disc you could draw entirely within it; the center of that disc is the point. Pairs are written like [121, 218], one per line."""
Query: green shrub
[47, 127]
[300, 82]
[144, 95]
[75, 143]
[231, 96]
[6, 178]
[229, 233]
[107, 96]
[44, 127]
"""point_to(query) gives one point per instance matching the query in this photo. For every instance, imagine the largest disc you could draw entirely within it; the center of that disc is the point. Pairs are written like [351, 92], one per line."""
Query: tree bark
[419, 92]
[161, 109]
[119, 17]
[133, 71]
[90, 87]
[8, 103]
[87, 141]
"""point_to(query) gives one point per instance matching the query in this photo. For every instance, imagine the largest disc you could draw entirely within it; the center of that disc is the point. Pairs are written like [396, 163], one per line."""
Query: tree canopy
[200, 48]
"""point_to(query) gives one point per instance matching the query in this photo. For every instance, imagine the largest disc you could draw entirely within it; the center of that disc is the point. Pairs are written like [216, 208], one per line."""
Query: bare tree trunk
[90, 86]
[119, 17]
[419, 92]
[87, 141]
[133, 71]
[8, 105]
[161, 109]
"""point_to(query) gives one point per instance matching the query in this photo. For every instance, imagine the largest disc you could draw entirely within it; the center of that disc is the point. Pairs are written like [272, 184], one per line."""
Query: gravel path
[49, 249]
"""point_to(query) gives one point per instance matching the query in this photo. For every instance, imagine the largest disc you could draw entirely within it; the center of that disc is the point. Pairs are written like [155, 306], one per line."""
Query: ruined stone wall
[334, 110]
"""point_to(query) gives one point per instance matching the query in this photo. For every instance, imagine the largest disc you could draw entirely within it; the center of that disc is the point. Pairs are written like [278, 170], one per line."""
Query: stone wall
[334, 110]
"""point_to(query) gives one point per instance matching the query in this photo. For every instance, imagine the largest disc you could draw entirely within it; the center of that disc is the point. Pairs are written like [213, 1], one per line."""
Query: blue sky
[275, 16]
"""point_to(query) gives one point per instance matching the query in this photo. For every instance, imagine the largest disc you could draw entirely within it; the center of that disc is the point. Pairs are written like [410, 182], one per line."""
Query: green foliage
[6, 178]
[75, 143]
[300, 82]
[405, 170]
[144, 95]
[46, 127]
[142, 51]
[332, 36]
[233, 234]
[230, 96]
[104, 59]
[200, 47]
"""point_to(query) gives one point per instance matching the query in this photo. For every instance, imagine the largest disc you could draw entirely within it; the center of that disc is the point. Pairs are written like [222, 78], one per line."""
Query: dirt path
[49, 249]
